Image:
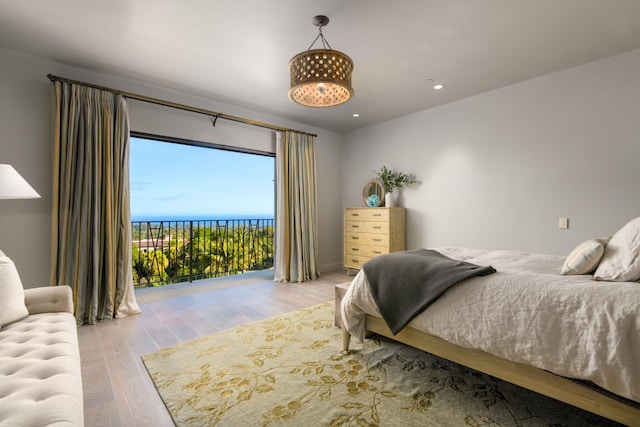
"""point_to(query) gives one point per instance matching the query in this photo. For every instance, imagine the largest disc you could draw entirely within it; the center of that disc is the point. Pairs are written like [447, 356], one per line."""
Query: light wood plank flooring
[117, 388]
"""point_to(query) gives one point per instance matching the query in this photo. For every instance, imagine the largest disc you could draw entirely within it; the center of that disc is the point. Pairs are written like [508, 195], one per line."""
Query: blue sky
[169, 179]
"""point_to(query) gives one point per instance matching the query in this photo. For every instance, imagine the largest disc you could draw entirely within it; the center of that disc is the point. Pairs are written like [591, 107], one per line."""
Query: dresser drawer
[355, 261]
[366, 227]
[368, 214]
[364, 250]
[371, 239]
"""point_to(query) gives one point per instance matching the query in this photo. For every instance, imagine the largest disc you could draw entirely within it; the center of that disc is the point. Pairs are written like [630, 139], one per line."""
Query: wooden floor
[117, 389]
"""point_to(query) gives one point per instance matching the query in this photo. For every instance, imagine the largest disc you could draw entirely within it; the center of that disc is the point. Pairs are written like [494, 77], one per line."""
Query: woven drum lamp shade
[320, 78]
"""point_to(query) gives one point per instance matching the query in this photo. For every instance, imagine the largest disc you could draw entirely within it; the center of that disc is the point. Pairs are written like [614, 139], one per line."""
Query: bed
[569, 337]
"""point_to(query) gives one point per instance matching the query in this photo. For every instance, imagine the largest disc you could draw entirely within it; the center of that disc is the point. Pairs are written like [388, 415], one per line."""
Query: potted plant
[391, 180]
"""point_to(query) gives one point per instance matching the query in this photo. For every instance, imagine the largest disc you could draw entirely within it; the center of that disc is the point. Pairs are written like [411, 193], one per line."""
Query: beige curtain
[91, 225]
[296, 208]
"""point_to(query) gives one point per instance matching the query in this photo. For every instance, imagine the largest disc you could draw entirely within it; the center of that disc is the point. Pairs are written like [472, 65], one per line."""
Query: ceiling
[237, 51]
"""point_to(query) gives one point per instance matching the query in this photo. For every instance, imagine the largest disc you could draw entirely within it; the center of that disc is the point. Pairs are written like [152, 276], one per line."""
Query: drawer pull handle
[355, 226]
[377, 214]
[355, 214]
[355, 249]
[376, 252]
[377, 227]
[355, 238]
[377, 240]
[354, 260]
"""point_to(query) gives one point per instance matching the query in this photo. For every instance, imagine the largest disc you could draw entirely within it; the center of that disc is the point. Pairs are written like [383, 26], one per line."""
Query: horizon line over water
[199, 217]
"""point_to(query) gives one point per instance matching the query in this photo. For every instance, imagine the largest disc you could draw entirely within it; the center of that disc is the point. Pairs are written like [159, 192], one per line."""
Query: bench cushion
[40, 380]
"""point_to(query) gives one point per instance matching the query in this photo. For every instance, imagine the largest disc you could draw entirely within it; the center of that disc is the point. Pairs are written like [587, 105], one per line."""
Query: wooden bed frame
[529, 377]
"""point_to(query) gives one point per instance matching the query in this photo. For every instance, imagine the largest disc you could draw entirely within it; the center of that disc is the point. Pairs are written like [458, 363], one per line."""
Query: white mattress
[527, 312]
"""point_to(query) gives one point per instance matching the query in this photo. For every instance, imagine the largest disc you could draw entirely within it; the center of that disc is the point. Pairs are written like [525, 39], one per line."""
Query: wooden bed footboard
[529, 377]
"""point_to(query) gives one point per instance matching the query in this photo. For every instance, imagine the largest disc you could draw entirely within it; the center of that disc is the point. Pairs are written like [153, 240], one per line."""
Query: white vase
[389, 201]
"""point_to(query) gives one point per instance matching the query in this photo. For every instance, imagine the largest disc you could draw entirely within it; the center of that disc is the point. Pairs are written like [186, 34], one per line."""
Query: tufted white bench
[40, 380]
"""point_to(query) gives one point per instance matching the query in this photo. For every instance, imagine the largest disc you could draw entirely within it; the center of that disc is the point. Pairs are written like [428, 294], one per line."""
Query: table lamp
[14, 186]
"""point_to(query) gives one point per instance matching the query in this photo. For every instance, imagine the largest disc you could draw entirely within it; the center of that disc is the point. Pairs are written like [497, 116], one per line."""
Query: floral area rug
[289, 371]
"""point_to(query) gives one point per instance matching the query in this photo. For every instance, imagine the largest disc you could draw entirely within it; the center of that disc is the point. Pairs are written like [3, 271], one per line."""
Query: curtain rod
[213, 114]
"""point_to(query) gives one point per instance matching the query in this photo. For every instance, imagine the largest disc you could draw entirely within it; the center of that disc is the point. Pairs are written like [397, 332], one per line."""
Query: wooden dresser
[369, 232]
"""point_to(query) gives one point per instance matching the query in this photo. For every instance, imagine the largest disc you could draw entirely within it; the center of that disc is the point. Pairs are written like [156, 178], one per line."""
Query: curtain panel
[296, 256]
[91, 218]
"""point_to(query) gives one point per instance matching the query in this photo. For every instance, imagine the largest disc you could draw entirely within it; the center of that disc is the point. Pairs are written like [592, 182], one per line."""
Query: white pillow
[621, 259]
[12, 307]
[584, 258]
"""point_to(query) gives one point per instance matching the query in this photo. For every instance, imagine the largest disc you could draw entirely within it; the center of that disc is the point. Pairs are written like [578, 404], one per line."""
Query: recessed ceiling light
[438, 86]
[356, 115]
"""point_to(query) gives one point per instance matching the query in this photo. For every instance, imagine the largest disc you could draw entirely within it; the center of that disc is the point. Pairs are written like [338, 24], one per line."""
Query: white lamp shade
[13, 186]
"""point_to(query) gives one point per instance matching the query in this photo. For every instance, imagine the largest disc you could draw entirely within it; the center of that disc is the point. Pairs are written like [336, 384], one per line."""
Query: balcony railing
[183, 251]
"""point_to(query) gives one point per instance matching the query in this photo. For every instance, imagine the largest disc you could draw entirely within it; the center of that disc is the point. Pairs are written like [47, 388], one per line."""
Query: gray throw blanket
[404, 283]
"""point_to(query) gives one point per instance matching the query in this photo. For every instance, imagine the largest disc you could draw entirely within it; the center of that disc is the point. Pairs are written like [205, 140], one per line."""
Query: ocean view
[209, 184]
[194, 212]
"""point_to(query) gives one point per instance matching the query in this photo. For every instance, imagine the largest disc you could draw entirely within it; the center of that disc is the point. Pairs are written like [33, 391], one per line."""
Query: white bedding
[527, 312]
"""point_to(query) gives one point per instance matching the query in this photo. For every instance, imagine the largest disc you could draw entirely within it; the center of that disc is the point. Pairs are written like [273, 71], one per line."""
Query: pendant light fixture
[320, 77]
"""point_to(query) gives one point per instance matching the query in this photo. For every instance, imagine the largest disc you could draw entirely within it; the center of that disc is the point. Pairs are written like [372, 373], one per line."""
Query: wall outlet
[563, 223]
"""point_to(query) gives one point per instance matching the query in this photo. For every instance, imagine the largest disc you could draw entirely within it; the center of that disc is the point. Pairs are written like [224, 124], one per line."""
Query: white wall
[500, 168]
[25, 142]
